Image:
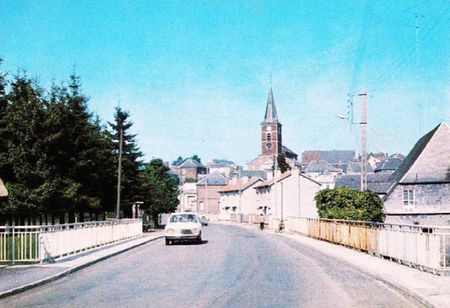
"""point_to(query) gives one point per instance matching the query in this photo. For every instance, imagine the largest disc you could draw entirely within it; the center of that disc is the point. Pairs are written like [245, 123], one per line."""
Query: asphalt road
[233, 267]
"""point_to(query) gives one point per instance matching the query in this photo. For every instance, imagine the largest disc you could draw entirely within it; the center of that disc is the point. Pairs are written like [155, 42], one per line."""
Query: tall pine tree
[23, 159]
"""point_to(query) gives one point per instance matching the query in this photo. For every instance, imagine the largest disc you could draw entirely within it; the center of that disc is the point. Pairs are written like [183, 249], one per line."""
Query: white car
[183, 227]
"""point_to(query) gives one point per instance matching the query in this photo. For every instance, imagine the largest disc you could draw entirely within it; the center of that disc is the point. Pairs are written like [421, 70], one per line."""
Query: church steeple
[271, 115]
[271, 129]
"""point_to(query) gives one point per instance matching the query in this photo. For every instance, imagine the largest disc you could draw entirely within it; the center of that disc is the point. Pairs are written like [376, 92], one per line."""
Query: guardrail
[31, 244]
[424, 247]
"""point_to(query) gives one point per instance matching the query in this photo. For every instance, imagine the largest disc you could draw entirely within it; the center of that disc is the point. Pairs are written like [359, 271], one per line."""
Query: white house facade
[290, 194]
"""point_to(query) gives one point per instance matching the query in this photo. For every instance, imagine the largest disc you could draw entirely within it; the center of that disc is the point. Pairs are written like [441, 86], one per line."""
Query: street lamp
[363, 124]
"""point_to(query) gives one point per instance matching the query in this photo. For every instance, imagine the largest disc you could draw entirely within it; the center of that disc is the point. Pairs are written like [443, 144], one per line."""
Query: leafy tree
[282, 164]
[196, 158]
[349, 204]
[178, 161]
[161, 189]
[131, 176]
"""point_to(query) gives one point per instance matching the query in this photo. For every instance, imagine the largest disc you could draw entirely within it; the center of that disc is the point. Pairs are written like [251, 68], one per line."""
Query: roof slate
[376, 182]
[240, 185]
[412, 156]
[333, 156]
[253, 173]
[271, 115]
[320, 166]
[213, 179]
[190, 163]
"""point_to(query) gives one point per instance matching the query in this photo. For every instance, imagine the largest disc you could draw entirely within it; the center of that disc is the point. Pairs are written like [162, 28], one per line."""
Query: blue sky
[195, 74]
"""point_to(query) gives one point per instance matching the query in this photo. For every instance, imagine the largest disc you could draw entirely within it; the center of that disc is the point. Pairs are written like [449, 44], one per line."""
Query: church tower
[271, 129]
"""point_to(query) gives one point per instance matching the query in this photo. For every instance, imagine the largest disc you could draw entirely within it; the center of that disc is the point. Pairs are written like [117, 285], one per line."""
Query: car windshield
[183, 218]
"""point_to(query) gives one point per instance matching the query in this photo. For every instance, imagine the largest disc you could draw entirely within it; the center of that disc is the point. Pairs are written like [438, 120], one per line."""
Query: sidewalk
[18, 278]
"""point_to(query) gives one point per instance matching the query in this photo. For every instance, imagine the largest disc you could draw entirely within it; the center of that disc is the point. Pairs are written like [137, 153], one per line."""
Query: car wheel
[199, 239]
[167, 242]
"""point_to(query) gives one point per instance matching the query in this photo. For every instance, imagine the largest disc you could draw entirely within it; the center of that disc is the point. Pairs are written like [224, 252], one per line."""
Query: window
[269, 137]
[408, 197]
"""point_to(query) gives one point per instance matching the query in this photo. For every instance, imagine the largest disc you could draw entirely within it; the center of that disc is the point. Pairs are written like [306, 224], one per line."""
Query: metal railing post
[13, 252]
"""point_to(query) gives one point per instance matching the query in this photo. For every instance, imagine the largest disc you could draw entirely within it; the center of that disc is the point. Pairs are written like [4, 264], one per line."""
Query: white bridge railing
[45, 243]
[425, 247]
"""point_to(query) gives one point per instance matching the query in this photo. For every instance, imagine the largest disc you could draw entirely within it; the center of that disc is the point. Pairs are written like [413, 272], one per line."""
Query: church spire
[271, 111]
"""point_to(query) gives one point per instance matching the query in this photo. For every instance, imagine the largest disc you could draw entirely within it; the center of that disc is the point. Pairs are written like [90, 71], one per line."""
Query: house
[321, 171]
[208, 197]
[238, 198]
[420, 187]
[190, 169]
[288, 194]
[223, 166]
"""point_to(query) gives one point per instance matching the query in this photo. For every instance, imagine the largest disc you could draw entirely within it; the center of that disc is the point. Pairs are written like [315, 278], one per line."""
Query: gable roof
[428, 161]
[272, 181]
[319, 166]
[240, 185]
[190, 163]
[390, 163]
[413, 155]
[213, 179]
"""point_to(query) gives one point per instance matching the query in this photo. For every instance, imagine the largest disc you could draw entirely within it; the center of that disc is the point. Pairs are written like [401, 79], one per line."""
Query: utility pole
[119, 172]
[240, 193]
[363, 123]
[205, 208]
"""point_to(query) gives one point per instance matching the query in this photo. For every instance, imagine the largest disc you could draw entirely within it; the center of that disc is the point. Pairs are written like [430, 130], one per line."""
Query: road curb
[57, 276]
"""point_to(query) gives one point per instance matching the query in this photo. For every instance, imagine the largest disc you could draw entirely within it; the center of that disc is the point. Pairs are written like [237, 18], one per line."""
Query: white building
[238, 198]
[188, 197]
[289, 194]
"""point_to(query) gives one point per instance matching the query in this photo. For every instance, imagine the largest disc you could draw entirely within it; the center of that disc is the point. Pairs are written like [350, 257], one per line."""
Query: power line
[404, 60]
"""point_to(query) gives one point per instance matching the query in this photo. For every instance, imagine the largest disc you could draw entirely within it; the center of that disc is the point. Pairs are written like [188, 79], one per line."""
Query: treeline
[57, 160]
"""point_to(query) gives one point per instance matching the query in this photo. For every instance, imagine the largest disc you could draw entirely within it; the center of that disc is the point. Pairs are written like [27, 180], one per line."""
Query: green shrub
[349, 204]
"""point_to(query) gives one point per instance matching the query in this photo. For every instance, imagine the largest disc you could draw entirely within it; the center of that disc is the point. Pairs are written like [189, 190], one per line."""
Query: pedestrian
[261, 221]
